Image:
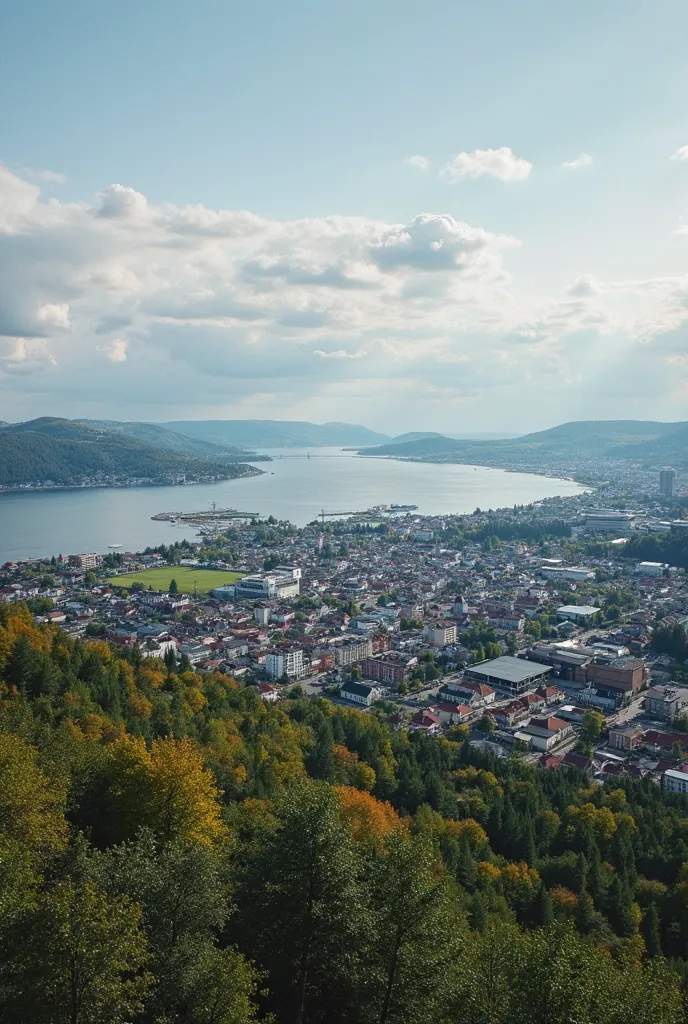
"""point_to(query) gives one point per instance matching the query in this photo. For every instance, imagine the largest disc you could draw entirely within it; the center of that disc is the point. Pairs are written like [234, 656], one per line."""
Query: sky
[441, 215]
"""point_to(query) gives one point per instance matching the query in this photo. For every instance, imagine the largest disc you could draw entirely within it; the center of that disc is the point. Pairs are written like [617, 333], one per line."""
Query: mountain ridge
[52, 451]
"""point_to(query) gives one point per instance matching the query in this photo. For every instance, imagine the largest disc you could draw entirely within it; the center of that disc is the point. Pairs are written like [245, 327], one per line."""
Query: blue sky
[564, 289]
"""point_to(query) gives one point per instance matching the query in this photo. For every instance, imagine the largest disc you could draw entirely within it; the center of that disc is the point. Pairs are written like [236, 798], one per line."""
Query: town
[535, 631]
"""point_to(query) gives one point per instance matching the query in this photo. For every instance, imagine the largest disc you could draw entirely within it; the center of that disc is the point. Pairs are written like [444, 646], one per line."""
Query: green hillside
[170, 440]
[567, 447]
[276, 433]
[63, 452]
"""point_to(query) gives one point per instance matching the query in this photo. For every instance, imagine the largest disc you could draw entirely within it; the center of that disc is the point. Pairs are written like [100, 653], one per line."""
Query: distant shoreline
[549, 474]
[123, 484]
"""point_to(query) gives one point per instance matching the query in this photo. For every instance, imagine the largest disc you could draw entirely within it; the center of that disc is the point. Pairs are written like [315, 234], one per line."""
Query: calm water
[69, 521]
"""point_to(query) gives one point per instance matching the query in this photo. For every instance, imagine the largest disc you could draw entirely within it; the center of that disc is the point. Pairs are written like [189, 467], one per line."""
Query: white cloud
[584, 286]
[421, 162]
[248, 313]
[584, 160]
[501, 163]
[116, 351]
[52, 176]
[339, 353]
[680, 154]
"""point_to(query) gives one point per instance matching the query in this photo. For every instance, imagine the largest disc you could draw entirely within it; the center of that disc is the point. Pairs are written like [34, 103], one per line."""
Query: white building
[579, 613]
[576, 574]
[609, 520]
[675, 781]
[285, 663]
[360, 693]
[651, 568]
[441, 633]
[266, 587]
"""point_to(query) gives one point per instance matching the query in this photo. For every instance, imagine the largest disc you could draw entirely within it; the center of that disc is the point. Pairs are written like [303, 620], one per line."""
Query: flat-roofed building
[675, 780]
[578, 613]
[439, 634]
[515, 675]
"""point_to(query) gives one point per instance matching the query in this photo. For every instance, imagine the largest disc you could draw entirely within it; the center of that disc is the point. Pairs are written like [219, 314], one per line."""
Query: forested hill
[172, 849]
[643, 441]
[170, 440]
[276, 433]
[64, 452]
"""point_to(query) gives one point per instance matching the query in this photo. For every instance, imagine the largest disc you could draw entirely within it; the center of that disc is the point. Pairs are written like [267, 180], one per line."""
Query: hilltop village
[542, 630]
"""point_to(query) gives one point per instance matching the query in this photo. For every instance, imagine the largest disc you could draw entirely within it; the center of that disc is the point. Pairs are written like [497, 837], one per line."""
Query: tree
[652, 932]
[466, 870]
[77, 958]
[31, 805]
[593, 723]
[173, 588]
[417, 933]
[301, 907]
[369, 820]
[185, 904]
[485, 724]
[166, 787]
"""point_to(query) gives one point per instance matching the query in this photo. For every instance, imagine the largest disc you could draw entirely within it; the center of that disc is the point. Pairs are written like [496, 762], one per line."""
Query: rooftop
[513, 670]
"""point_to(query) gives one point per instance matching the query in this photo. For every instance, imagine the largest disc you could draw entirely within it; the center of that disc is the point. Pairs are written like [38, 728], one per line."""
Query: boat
[403, 508]
[113, 546]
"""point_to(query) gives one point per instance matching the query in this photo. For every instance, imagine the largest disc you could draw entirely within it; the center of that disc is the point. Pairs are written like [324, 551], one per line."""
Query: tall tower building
[666, 482]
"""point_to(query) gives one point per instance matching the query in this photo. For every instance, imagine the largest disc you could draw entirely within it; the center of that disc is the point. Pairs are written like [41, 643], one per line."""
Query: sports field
[188, 578]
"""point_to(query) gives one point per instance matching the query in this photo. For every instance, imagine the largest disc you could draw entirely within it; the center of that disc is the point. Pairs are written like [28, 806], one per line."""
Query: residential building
[469, 691]
[90, 561]
[285, 663]
[268, 693]
[667, 478]
[392, 667]
[440, 633]
[351, 651]
[665, 701]
[675, 780]
[625, 738]
[425, 721]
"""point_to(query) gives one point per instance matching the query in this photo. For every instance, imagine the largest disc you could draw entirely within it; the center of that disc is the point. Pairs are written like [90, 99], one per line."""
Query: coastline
[550, 475]
[123, 484]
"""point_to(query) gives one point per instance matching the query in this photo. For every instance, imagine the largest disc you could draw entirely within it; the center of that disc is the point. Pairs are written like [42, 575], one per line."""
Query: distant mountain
[596, 432]
[63, 452]
[171, 441]
[580, 447]
[414, 435]
[276, 433]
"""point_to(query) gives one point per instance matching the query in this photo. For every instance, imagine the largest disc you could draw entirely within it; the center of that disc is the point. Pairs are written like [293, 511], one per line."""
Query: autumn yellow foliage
[369, 820]
[166, 787]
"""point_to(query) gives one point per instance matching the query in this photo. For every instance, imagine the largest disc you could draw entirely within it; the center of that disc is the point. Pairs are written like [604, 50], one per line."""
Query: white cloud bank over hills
[124, 308]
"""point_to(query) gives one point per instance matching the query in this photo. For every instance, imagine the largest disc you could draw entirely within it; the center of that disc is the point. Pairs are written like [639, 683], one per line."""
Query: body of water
[36, 523]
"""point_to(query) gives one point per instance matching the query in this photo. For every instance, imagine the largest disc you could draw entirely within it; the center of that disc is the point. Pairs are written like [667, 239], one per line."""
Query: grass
[185, 575]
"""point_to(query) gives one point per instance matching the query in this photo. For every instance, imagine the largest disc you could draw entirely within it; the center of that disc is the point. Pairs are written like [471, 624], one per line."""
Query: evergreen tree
[173, 588]
[585, 912]
[466, 871]
[302, 910]
[652, 932]
[417, 932]
[542, 915]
